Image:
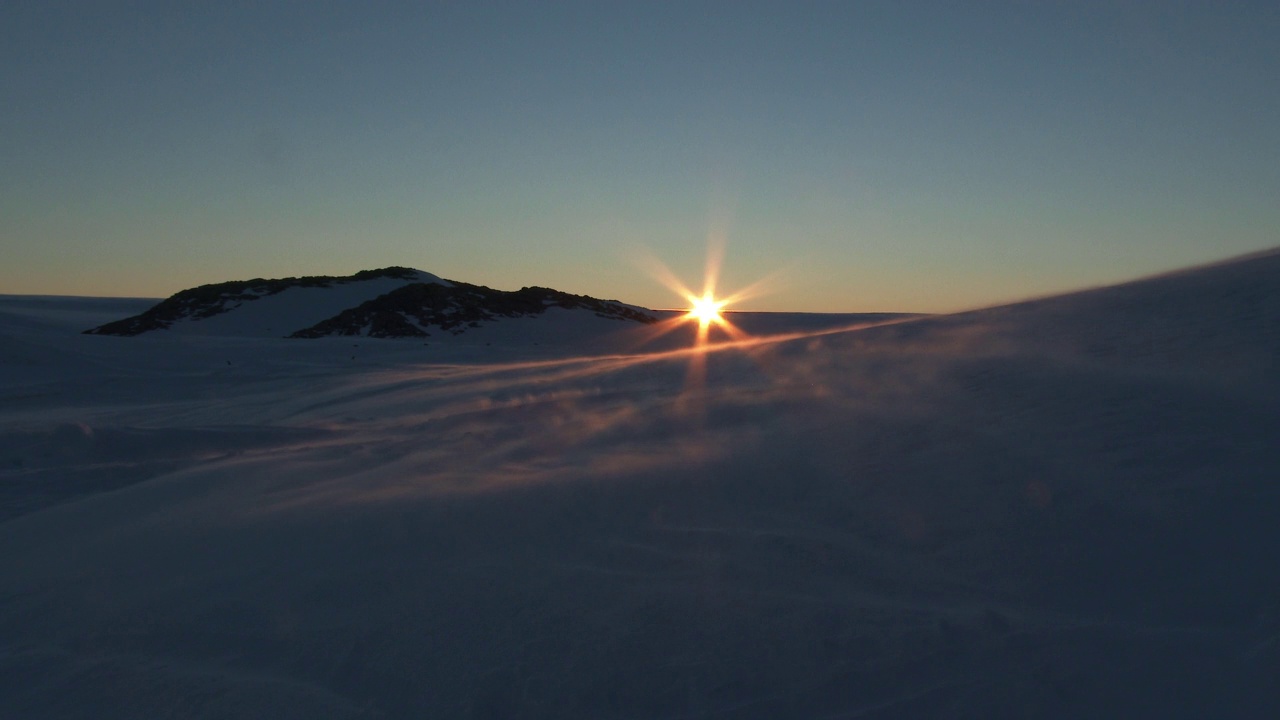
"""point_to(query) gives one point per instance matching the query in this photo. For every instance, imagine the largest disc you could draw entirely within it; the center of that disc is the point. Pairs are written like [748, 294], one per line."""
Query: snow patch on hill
[280, 314]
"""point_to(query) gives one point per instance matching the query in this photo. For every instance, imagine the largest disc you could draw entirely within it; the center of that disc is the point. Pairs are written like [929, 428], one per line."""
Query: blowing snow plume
[1062, 508]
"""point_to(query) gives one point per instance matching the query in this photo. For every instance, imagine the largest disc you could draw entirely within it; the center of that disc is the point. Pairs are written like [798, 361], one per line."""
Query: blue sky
[883, 156]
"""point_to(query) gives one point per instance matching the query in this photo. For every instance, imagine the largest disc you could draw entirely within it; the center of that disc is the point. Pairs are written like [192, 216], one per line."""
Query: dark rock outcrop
[206, 301]
[406, 311]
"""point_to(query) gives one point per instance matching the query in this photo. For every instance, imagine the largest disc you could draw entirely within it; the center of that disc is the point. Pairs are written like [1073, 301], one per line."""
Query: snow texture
[1059, 509]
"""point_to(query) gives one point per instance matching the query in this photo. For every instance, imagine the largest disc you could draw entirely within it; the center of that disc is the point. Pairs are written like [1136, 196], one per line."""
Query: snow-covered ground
[1063, 508]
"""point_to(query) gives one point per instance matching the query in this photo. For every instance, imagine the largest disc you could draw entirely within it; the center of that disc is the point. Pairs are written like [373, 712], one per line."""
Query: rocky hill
[414, 309]
[385, 303]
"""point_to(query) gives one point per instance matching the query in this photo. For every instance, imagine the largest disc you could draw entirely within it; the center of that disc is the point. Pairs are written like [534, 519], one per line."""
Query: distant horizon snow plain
[1060, 508]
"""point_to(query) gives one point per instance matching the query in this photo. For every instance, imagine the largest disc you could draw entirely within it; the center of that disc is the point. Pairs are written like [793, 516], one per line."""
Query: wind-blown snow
[1065, 508]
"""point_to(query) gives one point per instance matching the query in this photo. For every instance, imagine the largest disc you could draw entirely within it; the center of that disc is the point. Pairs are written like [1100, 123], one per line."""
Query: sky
[858, 156]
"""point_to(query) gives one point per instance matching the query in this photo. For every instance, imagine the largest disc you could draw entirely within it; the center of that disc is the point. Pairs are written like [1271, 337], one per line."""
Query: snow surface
[1064, 508]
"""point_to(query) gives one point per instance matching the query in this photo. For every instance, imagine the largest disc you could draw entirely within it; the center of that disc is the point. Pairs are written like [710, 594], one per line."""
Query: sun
[706, 310]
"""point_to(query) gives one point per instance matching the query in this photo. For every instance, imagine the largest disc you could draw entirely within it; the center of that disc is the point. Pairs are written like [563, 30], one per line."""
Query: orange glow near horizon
[706, 310]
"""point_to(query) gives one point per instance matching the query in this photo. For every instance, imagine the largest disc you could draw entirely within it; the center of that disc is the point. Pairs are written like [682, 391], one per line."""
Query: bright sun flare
[706, 310]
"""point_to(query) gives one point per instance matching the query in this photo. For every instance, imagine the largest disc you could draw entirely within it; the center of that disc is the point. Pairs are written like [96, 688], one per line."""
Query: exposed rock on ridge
[206, 301]
[405, 312]
[402, 303]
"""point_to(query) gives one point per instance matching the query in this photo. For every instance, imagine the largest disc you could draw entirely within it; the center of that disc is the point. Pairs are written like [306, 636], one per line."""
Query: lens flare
[706, 311]
[706, 308]
[712, 326]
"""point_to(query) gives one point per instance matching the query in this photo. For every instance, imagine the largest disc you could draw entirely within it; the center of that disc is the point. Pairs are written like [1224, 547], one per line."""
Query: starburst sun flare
[706, 310]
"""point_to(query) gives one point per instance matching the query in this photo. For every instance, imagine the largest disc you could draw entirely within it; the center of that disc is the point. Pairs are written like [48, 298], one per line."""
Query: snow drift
[1061, 508]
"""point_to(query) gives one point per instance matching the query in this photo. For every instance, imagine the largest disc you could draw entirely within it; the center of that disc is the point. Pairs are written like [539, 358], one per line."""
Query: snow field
[1064, 508]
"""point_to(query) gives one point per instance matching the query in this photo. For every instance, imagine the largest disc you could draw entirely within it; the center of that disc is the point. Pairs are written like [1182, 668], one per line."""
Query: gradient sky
[884, 156]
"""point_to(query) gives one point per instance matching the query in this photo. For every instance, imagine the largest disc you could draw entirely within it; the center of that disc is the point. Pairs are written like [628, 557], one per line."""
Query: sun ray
[715, 259]
[706, 316]
[706, 310]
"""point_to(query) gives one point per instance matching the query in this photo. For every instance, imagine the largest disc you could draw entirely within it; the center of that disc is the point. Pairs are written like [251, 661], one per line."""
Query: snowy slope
[1064, 508]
